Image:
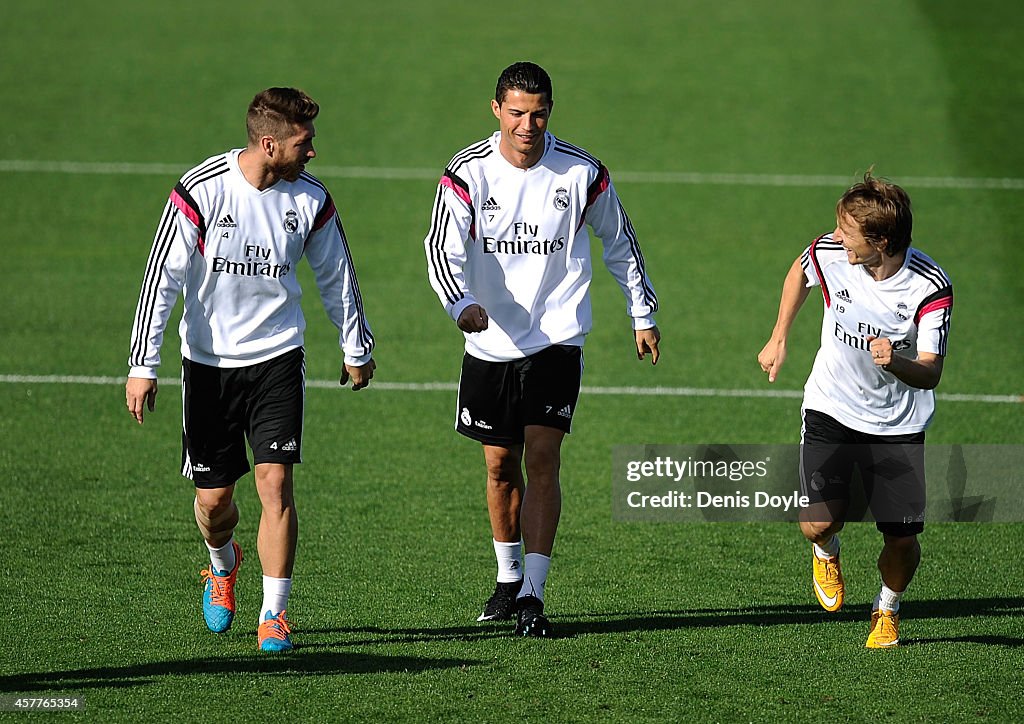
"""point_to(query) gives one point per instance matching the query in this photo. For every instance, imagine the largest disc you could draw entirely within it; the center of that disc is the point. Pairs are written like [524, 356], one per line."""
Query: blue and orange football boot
[273, 633]
[219, 594]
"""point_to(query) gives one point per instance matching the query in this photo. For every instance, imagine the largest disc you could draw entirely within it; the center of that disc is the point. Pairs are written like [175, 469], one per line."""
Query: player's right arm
[177, 236]
[794, 294]
[451, 226]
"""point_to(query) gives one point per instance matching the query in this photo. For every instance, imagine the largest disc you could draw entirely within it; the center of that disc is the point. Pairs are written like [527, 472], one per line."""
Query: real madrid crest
[291, 221]
[902, 311]
[561, 200]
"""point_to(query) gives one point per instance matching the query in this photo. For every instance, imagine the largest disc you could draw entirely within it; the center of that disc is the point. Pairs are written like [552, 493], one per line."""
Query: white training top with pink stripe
[515, 242]
[912, 308]
[231, 250]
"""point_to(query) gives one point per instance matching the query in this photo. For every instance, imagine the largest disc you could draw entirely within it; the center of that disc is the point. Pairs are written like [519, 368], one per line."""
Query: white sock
[222, 559]
[888, 599]
[829, 550]
[275, 595]
[510, 561]
[535, 575]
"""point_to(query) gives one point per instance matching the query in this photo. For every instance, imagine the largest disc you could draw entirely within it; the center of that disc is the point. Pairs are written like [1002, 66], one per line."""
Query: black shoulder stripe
[215, 164]
[813, 256]
[928, 269]
[579, 153]
[307, 176]
[482, 149]
[205, 173]
[931, 273]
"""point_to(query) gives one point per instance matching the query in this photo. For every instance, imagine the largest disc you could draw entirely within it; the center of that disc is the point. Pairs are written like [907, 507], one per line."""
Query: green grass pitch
[659, 622]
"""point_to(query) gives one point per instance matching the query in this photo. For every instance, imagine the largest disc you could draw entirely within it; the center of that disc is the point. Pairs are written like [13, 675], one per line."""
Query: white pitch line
[429, 174]
[452, 387]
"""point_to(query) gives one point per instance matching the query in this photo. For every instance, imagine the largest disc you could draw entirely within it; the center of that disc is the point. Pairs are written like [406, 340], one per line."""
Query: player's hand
[881, 351]
[473, 319]
[647, 341]
[140, 392]
[360, 375]
[772, 357]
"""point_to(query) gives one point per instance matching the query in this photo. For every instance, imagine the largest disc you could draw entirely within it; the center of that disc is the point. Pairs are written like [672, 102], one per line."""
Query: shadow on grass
[572, 625]
[298, 663]
[1005, 641]
[322, 659]
[783, 615]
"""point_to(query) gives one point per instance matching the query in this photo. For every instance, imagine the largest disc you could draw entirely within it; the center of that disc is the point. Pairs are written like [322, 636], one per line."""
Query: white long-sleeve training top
[232, 250]
[515, 242]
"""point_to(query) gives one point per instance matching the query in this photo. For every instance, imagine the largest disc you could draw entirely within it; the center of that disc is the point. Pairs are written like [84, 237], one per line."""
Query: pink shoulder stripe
[325, 215]
[192, 214]
[183, 206]
[462, 193]
[943, 303]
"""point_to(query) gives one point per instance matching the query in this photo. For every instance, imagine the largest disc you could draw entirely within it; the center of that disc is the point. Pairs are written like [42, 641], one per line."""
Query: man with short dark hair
[870, 395]
[229, 240]
[508, 255]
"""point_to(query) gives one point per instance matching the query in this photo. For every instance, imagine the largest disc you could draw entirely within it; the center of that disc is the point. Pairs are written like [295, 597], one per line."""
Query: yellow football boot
[885, 630]
[828, 582]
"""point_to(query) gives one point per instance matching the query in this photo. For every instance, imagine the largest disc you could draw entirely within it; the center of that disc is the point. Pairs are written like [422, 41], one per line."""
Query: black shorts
[497, 400]
[224, 406]
[891, 468]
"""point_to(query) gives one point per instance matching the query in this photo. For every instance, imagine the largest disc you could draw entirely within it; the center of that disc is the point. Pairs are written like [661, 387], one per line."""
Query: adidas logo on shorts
[566, 412]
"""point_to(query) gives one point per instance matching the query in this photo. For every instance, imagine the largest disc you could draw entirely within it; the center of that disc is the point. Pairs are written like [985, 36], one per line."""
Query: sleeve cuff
[642, 323]
[461, 305]
[146, 373]
[358, 361]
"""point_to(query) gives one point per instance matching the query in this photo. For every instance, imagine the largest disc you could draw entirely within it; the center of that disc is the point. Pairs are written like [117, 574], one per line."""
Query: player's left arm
[647, 342]
[925, 370]
[328, 254]
[359, 374]
[624, 260]
[922, 373]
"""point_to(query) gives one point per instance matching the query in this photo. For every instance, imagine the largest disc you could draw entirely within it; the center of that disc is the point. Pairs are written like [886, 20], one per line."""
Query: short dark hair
[523, 76]
[883, 211]
[275, 111]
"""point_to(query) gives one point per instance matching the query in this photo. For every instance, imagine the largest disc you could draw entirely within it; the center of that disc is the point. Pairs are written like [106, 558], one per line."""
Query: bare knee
[543, 454]
[903, 546]
[274, 485]
[216, 514]
[504, 465]
[543, 464]
[820, 521]
[215, 501]
[818, 531]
